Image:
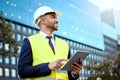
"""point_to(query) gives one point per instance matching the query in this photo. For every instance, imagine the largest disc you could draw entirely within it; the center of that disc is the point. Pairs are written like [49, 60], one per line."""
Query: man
[38, 60]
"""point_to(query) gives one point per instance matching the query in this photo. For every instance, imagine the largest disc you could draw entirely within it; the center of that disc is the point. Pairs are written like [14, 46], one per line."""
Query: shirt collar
[44, 34]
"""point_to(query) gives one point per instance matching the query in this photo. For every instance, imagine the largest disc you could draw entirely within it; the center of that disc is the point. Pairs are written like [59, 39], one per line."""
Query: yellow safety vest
[42, 53]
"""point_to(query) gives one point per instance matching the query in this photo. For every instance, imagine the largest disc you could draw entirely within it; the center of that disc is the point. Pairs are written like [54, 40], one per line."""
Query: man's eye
[53, 16]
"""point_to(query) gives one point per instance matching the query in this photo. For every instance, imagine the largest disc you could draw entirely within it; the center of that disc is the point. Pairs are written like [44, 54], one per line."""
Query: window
[17, 58]
[7, 60]
[18, 37]
[78, 46]
[72, 51]
[29, 31]
[18, 27]
[24, 37]
[7, 74]
[1, 45]
[6, 22]
[6, 47]
[13, 72]
[13, 26]
[13, 60]
[19, 48]
[24, 29]
[1, 59]
[1, 71]
[34, 31]
[13, 36]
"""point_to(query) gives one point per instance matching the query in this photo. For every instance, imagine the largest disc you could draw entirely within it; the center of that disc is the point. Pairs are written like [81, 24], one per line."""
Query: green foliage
[103, 77]
[117, 60]
[9, 45]
[116, 68]
[107, 69]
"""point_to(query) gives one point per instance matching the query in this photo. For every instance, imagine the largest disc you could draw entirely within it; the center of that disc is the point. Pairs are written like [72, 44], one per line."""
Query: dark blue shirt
[25, 68]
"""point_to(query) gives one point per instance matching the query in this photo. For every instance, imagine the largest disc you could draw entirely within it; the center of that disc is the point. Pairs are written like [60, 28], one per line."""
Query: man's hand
[76, 67]
[56, 64]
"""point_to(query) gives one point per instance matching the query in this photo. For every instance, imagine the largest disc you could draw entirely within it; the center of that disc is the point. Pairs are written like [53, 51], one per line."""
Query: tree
[107, 69]
[8, 45]
[116, 65]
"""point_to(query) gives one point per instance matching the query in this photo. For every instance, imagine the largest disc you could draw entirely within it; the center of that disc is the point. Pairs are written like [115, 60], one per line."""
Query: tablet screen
[76, 57]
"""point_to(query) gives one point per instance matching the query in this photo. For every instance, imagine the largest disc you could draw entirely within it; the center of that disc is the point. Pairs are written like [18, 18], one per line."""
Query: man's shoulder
[60, 40]
[34, 35]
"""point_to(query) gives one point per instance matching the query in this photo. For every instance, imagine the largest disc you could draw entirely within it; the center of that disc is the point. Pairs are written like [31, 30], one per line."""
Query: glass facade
[82, 22]
[111, 46]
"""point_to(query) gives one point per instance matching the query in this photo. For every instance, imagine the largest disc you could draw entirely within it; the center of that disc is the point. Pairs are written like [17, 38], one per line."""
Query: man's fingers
[62, 59]
[81, 62]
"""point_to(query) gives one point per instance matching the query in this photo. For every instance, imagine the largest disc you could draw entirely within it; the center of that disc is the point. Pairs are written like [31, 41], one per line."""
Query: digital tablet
[76, 57]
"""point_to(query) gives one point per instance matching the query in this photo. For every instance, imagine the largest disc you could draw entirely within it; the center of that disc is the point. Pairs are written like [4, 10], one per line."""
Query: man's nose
[56, 21]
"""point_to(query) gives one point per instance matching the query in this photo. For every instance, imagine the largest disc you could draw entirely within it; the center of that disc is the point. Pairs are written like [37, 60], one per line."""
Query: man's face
[51, 21]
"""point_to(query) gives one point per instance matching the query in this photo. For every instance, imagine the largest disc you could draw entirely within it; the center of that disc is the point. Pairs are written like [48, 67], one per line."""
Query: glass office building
[80, 25]
[79, 19]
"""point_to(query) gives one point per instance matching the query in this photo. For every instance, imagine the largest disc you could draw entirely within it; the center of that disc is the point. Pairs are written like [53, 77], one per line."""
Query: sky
[107, 4]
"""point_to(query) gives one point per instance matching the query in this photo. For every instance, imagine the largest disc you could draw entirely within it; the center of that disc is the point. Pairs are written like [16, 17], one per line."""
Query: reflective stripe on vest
[42, 53]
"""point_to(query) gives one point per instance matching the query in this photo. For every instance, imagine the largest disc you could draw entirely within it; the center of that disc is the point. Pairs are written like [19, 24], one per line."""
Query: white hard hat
[42, 11]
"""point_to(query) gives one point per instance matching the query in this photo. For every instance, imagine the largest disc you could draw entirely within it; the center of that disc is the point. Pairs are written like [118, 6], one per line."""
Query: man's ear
[43, 20]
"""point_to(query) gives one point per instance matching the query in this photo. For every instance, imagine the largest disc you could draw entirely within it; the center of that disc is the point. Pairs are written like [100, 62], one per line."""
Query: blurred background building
[82, 25]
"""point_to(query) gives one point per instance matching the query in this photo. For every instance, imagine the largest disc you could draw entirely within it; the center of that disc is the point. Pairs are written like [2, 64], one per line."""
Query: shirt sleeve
[25, 68]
